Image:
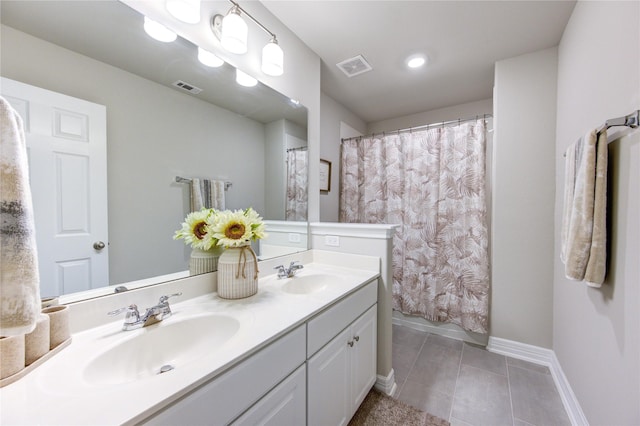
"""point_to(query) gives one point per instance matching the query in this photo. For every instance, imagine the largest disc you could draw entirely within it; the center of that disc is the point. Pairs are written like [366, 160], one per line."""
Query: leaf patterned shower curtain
[432, 183]
[297, 183]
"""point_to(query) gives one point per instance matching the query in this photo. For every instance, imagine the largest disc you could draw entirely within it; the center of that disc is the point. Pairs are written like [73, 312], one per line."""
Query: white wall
[596, 332]
[332, 114]
[468, 110]
[523, 196]
[146, 150]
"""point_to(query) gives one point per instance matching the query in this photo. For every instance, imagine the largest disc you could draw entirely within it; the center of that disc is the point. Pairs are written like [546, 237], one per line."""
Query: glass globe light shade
[234, 33]
[272, 59]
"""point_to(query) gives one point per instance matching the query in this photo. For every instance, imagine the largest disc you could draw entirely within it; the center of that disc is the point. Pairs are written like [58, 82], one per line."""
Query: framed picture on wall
[325, 175]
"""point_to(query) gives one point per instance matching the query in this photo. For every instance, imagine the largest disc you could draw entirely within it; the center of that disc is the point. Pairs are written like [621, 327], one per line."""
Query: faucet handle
[131, 308]
[163, 299]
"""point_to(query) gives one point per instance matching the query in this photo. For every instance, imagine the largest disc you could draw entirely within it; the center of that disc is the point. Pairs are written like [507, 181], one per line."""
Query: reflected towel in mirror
[206, 193]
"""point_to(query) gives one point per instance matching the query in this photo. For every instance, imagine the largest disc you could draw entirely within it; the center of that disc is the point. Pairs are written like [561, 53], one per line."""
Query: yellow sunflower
[231, 228]
[196, 230]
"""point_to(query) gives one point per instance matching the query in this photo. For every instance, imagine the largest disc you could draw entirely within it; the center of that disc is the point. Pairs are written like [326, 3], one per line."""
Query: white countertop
[57, 392]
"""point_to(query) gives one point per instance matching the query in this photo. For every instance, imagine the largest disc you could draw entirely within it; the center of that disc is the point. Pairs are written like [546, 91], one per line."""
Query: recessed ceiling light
[416, 61]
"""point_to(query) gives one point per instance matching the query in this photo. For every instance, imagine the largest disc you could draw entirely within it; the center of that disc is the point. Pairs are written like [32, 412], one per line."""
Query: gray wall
[332, 114]
[154, 133]
[468, 110]
[596, 332]
[523, 195]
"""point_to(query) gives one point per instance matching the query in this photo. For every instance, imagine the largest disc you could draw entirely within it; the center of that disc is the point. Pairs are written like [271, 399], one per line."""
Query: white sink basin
[167, 345]
[309, 283]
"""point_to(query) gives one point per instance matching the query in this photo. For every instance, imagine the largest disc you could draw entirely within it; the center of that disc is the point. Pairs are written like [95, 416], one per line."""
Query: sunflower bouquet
[209, 228]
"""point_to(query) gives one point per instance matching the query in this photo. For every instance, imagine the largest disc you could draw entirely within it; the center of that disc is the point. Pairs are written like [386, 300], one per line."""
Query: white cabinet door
[285, 405]
[328, 394]
[363, 356]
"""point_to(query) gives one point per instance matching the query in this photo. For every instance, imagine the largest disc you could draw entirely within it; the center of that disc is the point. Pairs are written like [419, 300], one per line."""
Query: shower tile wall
[468, 385]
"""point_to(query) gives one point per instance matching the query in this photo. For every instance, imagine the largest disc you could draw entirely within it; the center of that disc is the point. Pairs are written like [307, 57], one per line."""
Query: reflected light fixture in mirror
[209, 59]
[245, 79]
[234, 32]
[158, 31]
[185, 10]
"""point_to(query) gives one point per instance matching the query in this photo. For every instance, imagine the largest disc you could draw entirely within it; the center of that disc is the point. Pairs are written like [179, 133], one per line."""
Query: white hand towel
[19, 278]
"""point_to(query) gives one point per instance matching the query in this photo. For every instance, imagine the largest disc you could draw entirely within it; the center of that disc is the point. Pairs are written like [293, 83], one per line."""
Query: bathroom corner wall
[596, 332]
[332, 115]
[523, 196]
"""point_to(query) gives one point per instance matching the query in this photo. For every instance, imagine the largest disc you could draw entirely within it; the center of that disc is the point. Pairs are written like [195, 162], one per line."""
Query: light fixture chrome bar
[273, 36]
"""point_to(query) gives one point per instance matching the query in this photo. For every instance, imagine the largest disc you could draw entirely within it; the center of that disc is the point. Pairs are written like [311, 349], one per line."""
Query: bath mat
[378, 409]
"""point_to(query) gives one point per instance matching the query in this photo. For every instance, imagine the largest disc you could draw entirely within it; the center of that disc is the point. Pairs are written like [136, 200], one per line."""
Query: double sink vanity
[300, 351]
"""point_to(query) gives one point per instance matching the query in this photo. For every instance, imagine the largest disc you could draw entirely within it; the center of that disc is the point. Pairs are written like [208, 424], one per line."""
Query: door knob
[98, 245]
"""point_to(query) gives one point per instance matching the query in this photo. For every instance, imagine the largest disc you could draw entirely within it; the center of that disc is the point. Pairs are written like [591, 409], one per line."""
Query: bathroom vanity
[301, 351]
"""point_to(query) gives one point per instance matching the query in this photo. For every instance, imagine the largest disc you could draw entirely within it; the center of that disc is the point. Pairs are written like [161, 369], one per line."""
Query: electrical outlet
[294, 238]
[332, 240]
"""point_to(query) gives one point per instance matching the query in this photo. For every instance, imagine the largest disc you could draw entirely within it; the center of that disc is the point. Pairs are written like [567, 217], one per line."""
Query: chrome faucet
[288, 272]
[152, 315]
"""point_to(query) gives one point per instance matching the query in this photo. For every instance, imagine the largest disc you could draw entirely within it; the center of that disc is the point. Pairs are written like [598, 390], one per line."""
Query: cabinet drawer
[325, 326]
[226, 397]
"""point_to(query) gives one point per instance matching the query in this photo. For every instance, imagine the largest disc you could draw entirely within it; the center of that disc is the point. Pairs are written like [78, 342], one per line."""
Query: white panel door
[328, 380]
[66, 143]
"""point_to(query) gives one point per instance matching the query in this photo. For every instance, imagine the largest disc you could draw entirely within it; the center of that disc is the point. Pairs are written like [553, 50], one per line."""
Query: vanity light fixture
[232, 32]
[244, 79]
[185, 10]
[208, 58]
[158, 31]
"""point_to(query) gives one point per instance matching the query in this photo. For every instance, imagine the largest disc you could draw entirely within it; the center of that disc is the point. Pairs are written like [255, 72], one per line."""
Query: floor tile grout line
[413, 364]
[513, 415]
[455, 388]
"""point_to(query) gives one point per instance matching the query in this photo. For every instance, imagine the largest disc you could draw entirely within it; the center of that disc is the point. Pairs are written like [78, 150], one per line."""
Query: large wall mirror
[98, 51]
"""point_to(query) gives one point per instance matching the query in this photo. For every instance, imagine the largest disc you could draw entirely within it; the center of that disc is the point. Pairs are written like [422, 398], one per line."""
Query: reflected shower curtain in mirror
[432, 183]
[297, 183]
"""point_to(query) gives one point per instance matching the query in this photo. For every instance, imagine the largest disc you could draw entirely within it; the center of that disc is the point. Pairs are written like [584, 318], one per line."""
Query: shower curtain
[297, 172]
[432, 183]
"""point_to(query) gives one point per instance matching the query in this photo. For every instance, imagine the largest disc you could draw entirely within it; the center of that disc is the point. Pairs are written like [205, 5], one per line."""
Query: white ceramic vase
[237, 273]
[203, 261]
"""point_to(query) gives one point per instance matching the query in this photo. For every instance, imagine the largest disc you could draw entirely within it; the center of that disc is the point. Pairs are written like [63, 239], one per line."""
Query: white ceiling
[462, 39]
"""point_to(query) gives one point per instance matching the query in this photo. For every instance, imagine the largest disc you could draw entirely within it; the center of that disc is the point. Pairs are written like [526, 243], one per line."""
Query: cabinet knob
[357, 338]
[350, 343]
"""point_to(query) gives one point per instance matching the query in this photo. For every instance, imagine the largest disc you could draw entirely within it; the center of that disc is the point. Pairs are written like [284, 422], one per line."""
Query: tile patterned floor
[470, 386]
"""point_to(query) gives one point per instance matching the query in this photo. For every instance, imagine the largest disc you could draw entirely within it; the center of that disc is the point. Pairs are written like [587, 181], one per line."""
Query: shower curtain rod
[300, 148]
[426, 126]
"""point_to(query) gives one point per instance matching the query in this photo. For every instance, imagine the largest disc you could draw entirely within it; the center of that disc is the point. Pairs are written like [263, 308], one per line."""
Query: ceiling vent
[354, 66]
[187, 87]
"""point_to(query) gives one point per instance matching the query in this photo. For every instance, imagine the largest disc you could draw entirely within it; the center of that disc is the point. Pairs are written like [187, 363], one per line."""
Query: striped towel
[207, 194]
[19, 277]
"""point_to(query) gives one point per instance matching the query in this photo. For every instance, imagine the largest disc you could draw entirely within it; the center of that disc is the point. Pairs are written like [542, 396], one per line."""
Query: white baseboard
[386, 385]
[547, 357]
